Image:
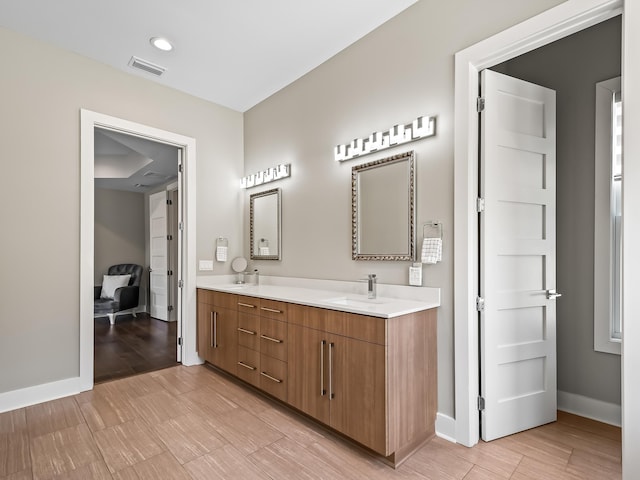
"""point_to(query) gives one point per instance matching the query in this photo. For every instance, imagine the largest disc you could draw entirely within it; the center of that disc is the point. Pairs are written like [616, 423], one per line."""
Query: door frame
[88, 121]
[547, 27]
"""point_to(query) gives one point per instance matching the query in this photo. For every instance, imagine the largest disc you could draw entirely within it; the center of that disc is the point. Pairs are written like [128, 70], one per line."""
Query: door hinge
[169, 202]
[180, 226]
[479, 205]
[480, 104]
[169, 272]
[180, 283]
[170, 308]
[480, 304]
[180, 341]
[169, 237]
[180, 167]
[481, 403]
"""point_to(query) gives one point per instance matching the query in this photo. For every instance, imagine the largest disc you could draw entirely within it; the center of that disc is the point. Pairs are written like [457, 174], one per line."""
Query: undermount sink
[355, 302]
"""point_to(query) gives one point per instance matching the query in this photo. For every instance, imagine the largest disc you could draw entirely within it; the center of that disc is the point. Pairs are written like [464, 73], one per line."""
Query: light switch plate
[205, 265]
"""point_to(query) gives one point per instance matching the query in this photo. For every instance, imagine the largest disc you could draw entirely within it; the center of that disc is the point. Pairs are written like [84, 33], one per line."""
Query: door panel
[517, 265]
[158, 301]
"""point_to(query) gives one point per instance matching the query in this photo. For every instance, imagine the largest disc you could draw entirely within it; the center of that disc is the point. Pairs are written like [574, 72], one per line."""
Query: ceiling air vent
[148, 67]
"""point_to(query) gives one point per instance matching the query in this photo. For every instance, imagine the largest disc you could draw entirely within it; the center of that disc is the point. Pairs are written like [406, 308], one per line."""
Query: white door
[158, 297]
[177, 279]
[517, 256]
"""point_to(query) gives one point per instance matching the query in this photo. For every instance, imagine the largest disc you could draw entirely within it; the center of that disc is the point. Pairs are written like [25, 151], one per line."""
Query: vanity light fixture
[265, 176]
[421, 127]
[161, 43]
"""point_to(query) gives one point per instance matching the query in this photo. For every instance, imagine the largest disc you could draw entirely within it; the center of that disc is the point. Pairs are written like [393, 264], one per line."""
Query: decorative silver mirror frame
[253, 197]
[410, 255]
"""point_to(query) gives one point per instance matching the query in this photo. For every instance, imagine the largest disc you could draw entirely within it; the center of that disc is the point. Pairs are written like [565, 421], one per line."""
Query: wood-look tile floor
[192, 423]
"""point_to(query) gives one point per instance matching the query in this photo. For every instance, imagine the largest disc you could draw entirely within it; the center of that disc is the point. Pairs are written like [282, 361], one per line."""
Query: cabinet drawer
[273, 377]
[273, 338]
[362, 327]
[248, 367]
[249, 331]
[219, 299]
[248, 304]
[273, 309]
[317, 318]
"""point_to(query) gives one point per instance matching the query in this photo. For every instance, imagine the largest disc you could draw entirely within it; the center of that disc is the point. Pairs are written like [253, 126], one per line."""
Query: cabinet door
[225, 339]
[357, 391]
[307, 372]
[205, 331]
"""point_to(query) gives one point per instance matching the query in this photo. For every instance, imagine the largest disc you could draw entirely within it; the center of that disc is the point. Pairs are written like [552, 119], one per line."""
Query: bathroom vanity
[365, 368]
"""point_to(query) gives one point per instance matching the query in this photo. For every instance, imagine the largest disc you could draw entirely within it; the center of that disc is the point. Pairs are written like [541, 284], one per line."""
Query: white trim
[446, 427]
[603, 238]
[554, 24]
[605, 412]
[88, 121]
[25, 397]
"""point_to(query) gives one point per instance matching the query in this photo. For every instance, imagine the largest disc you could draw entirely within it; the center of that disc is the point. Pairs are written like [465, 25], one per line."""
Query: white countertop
[385, 307]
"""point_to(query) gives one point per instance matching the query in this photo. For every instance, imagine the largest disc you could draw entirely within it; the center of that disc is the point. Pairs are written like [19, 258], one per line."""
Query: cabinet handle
[323, 392]
[273, 310]
[274, 379]
[331, 395]
[246, 305]
[271, 339]
[215, 330]
[244, 330]
[211, 330]
[242, 364]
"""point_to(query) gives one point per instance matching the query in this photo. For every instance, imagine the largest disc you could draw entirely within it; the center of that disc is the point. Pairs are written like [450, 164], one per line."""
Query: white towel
[431, 250]
[221, 254]
[264, 251]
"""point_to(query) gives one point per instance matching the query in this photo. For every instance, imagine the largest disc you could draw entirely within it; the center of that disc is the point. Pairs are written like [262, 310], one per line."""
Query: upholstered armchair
[119, 292]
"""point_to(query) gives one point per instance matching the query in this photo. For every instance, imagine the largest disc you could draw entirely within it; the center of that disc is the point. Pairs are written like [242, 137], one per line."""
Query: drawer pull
[244, 330]
[248, 305]
[271, 339]
[242, 364]
[273, 310]
[274, 379]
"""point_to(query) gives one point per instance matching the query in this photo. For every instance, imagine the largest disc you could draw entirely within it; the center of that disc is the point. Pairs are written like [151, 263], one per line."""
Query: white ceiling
[235, 53]
[134, 164]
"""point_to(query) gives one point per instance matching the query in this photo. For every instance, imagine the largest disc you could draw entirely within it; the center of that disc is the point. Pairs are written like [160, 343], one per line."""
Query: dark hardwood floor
[133, 345]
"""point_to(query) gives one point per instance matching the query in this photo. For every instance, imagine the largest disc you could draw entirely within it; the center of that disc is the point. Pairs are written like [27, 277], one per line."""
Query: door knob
[552, 294]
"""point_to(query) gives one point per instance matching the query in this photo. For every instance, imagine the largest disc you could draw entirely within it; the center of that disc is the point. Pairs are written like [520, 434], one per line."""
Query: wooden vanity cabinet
[337, 379]
[370, 378]
[217, 329]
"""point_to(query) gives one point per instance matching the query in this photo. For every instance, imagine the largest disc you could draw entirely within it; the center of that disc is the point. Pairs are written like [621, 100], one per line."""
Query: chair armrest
[127, 297]
[97, 290]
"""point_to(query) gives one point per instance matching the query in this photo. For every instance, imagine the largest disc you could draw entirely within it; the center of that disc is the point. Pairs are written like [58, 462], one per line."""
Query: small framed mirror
[264, 225]
[383, 209]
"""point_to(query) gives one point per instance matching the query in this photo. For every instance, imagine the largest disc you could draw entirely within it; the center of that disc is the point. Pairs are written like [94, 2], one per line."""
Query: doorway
[186, 308]
[134, 178]
[557, 23]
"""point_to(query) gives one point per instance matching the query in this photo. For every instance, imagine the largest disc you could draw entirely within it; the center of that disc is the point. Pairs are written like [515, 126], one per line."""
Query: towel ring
[432, 224]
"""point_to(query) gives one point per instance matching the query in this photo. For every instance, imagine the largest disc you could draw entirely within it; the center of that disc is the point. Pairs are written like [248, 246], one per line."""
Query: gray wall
[42, 90]
[572, 67]
[400, 71]
[119, 230]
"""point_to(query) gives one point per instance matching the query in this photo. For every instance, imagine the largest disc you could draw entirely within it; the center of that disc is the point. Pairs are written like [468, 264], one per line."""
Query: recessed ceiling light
[161, 43]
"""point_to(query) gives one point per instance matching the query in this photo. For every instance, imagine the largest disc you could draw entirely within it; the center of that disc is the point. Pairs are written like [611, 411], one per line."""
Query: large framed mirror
[383, 209]
[264, 225]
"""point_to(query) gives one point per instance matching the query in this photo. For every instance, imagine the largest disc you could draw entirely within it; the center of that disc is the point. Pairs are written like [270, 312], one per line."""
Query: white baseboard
[25, 397]
[605, 412]
[446, 427]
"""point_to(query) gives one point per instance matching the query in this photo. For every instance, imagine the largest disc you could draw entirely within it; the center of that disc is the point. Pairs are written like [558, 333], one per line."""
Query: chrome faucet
[371, 285]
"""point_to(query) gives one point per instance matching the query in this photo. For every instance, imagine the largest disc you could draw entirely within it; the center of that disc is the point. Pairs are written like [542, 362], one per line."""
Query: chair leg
[112, 318]
[134, 314]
